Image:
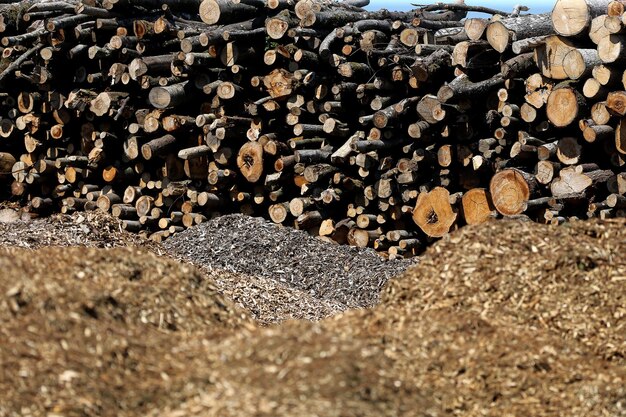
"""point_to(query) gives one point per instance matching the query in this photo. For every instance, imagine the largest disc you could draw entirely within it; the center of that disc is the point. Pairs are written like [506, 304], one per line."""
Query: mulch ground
[503, 319]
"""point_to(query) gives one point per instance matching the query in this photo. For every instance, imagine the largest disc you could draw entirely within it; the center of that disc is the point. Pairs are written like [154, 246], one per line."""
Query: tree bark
[501, 33]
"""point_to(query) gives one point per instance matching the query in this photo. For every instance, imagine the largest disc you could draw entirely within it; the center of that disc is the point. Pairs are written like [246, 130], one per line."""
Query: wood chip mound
[504, 319]
[501, 319]
[570, 279]
[89, 331]
[90, 229]
[269, 301]
[395, 362]
[252, 246]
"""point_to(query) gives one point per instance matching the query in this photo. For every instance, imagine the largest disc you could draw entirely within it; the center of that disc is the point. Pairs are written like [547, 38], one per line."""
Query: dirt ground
[504, 319]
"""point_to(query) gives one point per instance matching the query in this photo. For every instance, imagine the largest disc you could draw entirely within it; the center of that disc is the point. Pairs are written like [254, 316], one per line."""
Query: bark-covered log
[171, 95]
[501, 33]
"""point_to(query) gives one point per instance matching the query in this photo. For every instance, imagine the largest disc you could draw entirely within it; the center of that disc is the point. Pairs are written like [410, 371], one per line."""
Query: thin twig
[459, 7]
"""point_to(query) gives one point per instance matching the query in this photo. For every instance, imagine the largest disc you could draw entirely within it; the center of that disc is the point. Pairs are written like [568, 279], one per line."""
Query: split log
[570, 182]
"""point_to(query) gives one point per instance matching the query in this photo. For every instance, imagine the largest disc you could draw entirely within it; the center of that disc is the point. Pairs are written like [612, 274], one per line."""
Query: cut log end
[250, 161]
[433, 212]
[498, 36]
[159, 97]
[477, 206]
[562, 107]
[610, 48]
[510, 191]
[209, 12]
[574, 64]
[570, 17]
[279, 212]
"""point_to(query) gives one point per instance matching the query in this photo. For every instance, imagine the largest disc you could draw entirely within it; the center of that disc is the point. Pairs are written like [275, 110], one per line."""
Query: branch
[517, 9]
[460, 7]
[15, 64]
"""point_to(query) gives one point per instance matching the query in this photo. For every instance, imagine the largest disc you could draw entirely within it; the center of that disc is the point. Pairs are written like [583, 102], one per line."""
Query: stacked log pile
[374, 128]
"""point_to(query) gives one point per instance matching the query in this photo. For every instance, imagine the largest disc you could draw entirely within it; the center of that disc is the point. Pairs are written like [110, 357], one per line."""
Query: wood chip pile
[571, 283]
[349, 277]
[373, 128]
[269, 298]
[88, 331]
[528, 320]
[87, 229]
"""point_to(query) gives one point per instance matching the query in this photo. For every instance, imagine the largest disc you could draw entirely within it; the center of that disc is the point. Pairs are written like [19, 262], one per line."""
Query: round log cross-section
[510, 190]
[169, 96]
[477, 206]
[563, 106]
[572, 17]
[579, 62]
[433, 212]
[250, 161]
[225, 11]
